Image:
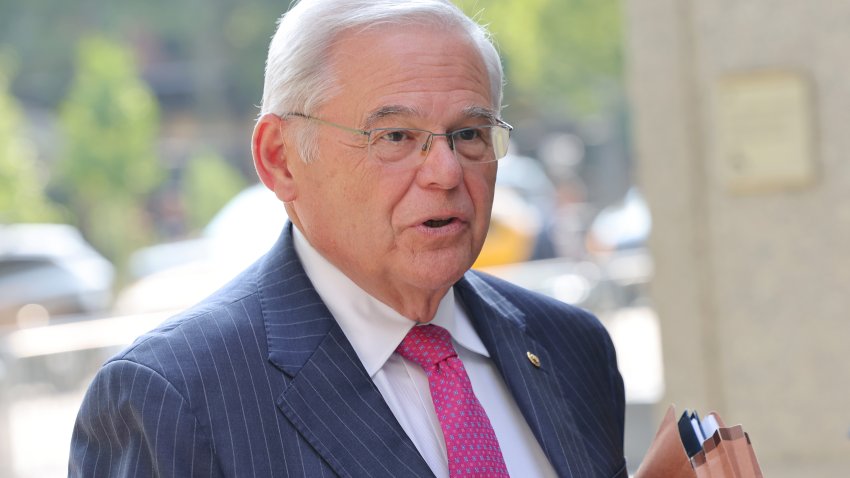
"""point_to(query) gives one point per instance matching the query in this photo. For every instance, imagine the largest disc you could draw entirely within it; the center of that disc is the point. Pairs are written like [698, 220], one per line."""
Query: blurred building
[740, 113]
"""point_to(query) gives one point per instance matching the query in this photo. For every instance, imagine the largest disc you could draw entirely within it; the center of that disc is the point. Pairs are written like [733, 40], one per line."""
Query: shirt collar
[374, 328]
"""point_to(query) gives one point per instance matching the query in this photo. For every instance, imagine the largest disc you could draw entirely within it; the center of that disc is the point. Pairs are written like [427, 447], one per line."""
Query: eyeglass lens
[473, 145]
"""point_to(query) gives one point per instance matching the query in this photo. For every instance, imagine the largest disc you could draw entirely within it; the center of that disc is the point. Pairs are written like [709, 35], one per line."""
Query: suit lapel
[330, 400]
[336, 407]
[537, 392]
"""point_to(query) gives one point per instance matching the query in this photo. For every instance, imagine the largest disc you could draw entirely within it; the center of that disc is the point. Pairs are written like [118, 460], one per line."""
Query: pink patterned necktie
[471, 443]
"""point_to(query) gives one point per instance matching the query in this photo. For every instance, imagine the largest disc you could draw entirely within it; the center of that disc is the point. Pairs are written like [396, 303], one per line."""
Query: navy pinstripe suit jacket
[259, 381]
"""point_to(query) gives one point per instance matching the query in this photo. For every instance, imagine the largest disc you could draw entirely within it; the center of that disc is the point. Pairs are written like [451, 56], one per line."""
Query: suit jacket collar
[330, 399]
[503, 329]
[336, 407]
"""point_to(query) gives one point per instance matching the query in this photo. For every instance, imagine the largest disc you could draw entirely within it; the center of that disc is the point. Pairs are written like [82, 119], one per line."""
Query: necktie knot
[427, 345]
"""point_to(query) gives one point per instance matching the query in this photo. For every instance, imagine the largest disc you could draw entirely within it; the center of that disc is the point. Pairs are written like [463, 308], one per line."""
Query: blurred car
[617, 239]
[176, 275]
[527, 177]
[514, 229]
[622, 226]
[236, 236]
[48, 270]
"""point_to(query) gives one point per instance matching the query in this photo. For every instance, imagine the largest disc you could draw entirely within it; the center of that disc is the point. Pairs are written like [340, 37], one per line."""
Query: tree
[562, 57]
[563, 64]
[209, 182]
[109, 166]
[22, 182]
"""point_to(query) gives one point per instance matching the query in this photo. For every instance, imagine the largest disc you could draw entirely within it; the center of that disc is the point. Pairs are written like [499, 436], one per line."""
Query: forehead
[417, 70]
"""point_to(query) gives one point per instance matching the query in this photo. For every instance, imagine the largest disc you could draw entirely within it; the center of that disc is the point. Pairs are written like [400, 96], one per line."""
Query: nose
[440, 168]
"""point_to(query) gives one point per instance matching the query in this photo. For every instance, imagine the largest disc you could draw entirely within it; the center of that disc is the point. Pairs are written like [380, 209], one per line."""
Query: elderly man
[361, 344]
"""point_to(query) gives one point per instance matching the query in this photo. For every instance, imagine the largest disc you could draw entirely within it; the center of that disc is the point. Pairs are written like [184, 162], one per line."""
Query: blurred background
[678, 168]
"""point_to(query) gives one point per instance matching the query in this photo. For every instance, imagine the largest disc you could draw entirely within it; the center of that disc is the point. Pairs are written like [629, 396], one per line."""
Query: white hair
[298, 74]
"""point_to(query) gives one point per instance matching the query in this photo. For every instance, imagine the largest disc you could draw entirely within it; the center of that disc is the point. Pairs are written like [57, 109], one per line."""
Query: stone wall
[752, 277]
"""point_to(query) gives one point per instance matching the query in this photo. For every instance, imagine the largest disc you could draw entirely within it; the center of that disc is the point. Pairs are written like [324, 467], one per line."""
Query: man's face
[398, 231]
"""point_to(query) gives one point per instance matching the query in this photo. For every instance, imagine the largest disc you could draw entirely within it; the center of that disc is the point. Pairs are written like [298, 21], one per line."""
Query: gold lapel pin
[533, 359]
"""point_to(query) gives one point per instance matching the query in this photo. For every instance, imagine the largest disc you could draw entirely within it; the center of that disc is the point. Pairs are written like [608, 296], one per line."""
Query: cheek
[366, 203]
[481, 192]
[394, 195]
[481, 188]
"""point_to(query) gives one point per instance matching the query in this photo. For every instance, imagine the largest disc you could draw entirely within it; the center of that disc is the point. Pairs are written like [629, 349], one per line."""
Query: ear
[271, 157]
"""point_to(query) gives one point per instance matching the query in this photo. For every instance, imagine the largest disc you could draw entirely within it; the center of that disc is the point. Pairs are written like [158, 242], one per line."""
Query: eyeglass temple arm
[328, 123]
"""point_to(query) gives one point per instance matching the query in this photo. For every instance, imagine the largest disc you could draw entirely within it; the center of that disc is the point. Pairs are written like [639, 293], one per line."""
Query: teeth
[437, 222]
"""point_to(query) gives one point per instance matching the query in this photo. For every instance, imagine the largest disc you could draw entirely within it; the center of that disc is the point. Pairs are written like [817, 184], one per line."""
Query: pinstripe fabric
[259, 380]
[574, 402]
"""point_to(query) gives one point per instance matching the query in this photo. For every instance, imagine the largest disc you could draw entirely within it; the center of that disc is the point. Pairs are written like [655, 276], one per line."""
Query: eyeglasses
[408, 147]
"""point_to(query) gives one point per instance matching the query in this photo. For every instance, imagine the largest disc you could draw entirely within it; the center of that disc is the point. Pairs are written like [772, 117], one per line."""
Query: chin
[435, 271]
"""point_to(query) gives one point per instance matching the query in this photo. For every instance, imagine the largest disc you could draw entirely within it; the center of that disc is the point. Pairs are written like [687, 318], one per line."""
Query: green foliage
[214, 49]
[560, 55]
[562, 60]
[109, 165]
[209, 182]
[110, 122]
[22, 182]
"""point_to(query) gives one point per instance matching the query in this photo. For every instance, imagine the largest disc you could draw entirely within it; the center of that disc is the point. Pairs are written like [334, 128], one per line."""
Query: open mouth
[434, 223]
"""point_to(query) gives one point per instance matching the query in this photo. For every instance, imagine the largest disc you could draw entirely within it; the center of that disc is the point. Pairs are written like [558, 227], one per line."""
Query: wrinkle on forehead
[402, 55]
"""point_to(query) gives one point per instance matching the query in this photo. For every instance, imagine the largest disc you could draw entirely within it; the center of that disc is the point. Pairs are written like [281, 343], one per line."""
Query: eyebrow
[400, 110]
[481, 112]
[387, 111]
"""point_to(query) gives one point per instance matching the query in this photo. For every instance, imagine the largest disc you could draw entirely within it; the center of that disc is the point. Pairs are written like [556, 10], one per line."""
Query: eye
[467, 134]
[393, 135]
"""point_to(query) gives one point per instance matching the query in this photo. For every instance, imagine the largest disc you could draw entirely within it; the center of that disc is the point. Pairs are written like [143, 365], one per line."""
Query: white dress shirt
[375, 330]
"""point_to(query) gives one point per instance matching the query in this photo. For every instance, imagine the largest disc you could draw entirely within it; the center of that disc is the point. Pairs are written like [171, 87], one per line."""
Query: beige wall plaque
[764, 131]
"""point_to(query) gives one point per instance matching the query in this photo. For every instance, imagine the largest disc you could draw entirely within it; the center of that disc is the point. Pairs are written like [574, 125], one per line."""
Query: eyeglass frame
[426, 147]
